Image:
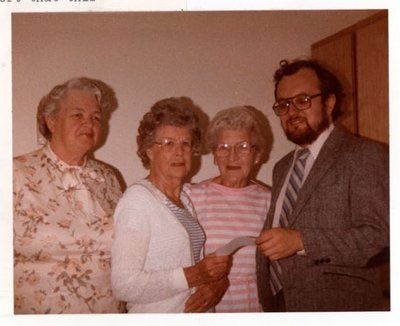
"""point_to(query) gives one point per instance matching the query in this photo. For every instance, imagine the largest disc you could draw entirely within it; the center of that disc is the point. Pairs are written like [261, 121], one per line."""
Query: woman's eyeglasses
[169, 144]
[241, 149]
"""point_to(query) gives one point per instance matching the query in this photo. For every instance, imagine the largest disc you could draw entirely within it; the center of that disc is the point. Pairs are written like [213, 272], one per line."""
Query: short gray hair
[49, 104]
[238, 117]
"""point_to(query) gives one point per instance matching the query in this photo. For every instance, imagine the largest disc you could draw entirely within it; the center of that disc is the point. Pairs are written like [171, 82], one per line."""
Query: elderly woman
[63, 206]
[232, 205]
[157, 250]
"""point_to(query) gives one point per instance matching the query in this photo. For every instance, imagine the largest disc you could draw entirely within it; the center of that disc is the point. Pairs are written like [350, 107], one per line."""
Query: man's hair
[329, 83]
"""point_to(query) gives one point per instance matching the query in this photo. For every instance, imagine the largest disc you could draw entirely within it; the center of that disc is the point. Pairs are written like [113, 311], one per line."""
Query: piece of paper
[234, 245]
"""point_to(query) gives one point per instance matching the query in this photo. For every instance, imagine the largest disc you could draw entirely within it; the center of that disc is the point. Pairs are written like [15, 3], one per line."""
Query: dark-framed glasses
[300, 102]
[169, 144]
[241, 149]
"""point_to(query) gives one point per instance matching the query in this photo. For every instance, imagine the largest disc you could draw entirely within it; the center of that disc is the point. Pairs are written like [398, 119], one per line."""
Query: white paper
[234, 245]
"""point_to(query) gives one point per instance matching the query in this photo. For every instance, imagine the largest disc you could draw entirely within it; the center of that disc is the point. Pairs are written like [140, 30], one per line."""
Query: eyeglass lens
[241, 149]
[168, 144]
[300, 102]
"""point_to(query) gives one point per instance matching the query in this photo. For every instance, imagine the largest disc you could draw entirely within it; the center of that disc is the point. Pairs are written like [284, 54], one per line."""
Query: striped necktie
[292, 191]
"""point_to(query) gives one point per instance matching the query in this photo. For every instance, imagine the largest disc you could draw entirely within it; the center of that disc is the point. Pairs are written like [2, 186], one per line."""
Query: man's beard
[309, 135]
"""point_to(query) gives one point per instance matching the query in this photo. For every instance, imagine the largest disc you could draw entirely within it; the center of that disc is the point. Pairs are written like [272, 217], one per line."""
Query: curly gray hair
[49, 104]
[173, 111]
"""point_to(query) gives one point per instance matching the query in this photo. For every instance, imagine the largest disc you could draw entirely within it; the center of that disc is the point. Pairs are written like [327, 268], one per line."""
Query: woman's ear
[215, 160]
[150, 153]
[50, 122]
[257, 158]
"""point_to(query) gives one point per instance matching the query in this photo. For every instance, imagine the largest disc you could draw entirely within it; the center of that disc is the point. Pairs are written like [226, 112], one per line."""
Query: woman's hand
[207, 296]
[211, 268]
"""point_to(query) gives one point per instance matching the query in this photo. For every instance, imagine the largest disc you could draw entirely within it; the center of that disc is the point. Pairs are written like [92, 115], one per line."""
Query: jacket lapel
[323, 163]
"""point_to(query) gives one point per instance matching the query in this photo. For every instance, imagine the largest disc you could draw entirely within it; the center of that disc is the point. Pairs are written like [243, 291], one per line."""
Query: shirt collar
[59, 162]
[71, 175]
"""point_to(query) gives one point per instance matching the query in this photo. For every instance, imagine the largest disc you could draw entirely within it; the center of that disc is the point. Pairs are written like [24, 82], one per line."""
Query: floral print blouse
[63, 232]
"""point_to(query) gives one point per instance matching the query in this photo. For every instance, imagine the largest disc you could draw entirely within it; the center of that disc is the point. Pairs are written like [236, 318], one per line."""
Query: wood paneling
[359, 57]
[337, 55]
[372, 80]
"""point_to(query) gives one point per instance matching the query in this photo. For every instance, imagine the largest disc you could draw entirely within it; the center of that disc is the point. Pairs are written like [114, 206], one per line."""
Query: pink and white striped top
[227, 213]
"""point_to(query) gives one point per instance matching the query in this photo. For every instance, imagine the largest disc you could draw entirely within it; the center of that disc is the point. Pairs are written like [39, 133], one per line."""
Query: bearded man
[329, 213]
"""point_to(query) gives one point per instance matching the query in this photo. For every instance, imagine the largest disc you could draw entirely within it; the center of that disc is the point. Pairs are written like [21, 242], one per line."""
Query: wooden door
[337, 54]
[372, 80]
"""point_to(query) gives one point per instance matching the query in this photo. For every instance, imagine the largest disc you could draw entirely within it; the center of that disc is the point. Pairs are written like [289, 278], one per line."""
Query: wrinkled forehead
[82, 99]
[173, 132]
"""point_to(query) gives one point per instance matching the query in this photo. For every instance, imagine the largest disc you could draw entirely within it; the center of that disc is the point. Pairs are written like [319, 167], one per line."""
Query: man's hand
[278, 243]
[207, 296]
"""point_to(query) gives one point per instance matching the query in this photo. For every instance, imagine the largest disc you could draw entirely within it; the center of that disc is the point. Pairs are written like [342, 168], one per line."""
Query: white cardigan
[149, 251]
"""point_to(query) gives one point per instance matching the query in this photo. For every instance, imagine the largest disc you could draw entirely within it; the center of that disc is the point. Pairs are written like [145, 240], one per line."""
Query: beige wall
[218, 59]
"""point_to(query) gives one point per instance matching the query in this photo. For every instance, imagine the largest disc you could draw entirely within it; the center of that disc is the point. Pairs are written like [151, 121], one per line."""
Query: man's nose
[291, 109]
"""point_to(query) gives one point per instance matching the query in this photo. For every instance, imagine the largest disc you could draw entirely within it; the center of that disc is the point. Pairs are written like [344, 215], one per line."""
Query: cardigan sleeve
[130, 281]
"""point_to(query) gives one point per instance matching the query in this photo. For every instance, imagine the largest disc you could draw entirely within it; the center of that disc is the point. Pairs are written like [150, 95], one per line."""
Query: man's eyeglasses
[300, 102]
[241, 149]
[169, 144]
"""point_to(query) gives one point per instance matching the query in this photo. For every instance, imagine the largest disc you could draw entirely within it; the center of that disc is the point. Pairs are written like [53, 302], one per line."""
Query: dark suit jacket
[342, 213]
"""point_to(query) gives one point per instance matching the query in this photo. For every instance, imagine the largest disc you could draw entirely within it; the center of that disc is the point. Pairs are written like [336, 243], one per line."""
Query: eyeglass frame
[235, 147]
[289, 101]
[163, 143]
